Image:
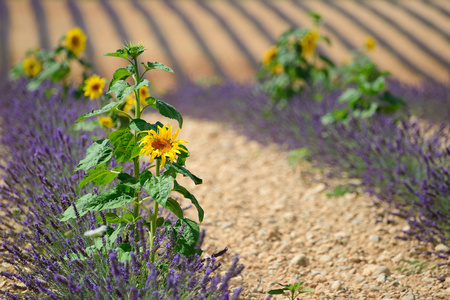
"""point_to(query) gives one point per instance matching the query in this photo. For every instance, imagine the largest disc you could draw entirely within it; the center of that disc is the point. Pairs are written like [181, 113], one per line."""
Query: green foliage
[413, 267]
[100, 176]
[339, 191]
[294, 289]
[116, 197]
[364, 92]
[159, 187]
[124, 142]
[189, 237]
[105, 109]
[183, 191]
[293, 64]
[54, 65]
[298, 154]
[157, 65]
[100, 152]
[123, 201]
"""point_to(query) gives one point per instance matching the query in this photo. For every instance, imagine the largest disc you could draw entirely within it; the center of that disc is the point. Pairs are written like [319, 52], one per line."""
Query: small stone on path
[299, 260]
[408, 296]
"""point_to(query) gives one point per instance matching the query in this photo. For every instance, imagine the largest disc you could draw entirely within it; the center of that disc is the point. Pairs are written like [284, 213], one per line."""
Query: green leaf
[98, 243]
[129, 217]
[98, 153]
[130, 181]
[135, 152]
[306, 291]
[181, 159]
[119, 53]
[350, 95]
[370, 111]
[296, 155]
[122, 88]
[100, 176]
[116, 232]
[119, 74]
[191, 233]
[81, 203]
[112, 218]
[174, 206]
[124, 142]
[183, 191]
[378, 85]
[169, 111]
[107, 108]
[145, 175]
[394, 103]
[156, 65]
[183, 171]
[139, 125]
[327, 119]
[159, 187]
[159, 221]
[114, 198]
[276, 292]
[294, 287]
[340, 114]
[87, 126]
[316, 17]
[123, 252]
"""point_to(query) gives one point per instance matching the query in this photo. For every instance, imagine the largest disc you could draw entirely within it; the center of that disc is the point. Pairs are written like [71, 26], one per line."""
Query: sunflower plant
[293, 64]
[364, 90]
[126, 202]
[40, 65]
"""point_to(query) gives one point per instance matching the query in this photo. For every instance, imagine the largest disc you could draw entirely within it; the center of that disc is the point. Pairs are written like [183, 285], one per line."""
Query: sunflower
[161, 144]
[370, 43]
[93, 86]
[277, 69]
[144, 94]
[128, 106]
[269, 55]
[308, 42]
[76, 41]
[106, 121]
[32, 66]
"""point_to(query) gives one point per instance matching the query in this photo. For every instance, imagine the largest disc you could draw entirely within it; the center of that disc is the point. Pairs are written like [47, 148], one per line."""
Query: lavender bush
[402, 161]
[40, 149]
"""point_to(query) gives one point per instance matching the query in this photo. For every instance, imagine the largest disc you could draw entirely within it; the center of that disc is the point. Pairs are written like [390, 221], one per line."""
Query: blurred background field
[203, 39]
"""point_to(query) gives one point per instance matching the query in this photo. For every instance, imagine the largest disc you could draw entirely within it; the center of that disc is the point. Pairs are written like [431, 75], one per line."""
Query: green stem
[137, 115]
[154, 215]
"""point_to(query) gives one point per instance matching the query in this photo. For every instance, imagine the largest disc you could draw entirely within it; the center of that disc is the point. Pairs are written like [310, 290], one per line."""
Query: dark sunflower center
[161, 145]
[75, 41]
[95, 86]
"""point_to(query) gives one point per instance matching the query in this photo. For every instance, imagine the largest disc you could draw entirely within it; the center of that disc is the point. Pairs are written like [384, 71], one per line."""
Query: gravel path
[286, 229]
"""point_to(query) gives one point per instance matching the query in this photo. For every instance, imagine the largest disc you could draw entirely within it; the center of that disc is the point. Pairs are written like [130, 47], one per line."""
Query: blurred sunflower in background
[32, 66]
[76, 41]
[106, 121]
[269, 55]
[309, 42]
[370, 43]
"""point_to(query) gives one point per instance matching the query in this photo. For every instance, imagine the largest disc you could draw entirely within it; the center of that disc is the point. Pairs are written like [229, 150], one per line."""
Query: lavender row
[400, 160]
[39, 150]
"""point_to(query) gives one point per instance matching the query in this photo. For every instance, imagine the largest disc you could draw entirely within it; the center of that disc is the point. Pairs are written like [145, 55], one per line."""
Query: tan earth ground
[276, 217]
